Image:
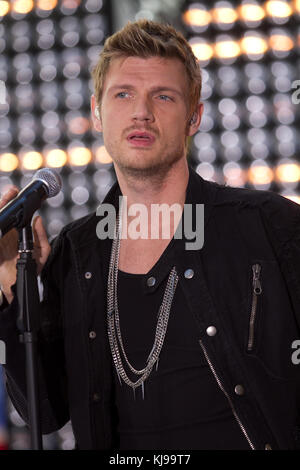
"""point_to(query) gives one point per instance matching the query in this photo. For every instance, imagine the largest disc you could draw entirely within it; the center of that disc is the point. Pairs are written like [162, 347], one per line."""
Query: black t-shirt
[183, 406]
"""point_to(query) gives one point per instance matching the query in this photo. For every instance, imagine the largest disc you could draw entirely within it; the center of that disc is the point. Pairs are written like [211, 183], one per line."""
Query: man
[145, 344]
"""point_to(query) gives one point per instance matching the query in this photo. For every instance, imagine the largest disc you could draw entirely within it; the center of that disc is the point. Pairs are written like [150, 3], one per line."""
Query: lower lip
[141, 142]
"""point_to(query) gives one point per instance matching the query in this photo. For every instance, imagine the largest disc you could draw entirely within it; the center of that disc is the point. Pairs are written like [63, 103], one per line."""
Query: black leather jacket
[246, 284]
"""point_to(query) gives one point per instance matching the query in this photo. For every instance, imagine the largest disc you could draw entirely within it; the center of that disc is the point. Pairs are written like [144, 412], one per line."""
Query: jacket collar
[199, 191]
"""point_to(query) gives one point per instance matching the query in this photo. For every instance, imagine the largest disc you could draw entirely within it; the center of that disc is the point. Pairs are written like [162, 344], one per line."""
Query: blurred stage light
[254, 45]
[234, 174]
[248, 77]
[4, 7]
[197, 17]
[8, 162]
[279, 11]
[260, 174]
[55, 158]
[22, 6]
[296, 6]
[224, 15]
[206, 170]
[78, 125]
[288, 172]
[251, 13]
[93, 6]
[47, 51]
[32, 160]
[102, 156]
[281, 43]
[202, 50]
[226, 48]
[46, 4]
[79, 155]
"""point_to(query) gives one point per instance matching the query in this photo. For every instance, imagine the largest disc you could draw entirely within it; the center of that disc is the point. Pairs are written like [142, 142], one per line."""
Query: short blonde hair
[146, 39]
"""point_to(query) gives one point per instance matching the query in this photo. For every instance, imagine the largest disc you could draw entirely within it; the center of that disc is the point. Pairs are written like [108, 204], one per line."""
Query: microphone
[18, 212]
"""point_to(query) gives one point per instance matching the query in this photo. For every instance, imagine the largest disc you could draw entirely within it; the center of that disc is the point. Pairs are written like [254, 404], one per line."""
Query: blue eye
[122, 94]
[164, 97]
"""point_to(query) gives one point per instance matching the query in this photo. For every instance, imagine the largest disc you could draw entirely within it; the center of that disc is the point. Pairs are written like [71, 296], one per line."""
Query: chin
[146, 169]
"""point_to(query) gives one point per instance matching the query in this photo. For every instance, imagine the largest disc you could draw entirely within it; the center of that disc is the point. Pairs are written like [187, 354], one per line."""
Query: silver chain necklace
[113, 320]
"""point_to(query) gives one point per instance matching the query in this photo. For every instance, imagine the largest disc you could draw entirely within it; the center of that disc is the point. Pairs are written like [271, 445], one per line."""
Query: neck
[168, 188]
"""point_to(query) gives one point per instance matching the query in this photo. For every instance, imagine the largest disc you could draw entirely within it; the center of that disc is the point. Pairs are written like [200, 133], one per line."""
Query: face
[144, 113]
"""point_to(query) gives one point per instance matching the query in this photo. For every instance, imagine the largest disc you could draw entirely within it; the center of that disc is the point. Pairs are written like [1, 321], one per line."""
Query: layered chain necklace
[113, 320]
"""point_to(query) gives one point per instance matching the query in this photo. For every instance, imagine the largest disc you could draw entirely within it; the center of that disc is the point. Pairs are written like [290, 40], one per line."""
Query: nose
[142, 110]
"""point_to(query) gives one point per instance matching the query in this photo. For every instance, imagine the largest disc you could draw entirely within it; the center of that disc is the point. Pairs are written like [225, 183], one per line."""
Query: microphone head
[51, 179]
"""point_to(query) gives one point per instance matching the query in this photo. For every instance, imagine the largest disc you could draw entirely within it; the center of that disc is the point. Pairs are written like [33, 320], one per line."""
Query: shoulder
[278, 213]
[268, 202]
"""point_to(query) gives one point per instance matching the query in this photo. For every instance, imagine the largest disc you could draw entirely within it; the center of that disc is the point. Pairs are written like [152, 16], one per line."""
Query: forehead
[152, 71]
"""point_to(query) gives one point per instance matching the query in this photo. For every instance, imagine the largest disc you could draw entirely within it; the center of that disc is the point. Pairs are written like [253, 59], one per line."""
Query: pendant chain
[113, 320]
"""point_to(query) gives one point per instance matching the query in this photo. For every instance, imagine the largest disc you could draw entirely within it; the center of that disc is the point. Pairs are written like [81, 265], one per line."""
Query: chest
[139, 256]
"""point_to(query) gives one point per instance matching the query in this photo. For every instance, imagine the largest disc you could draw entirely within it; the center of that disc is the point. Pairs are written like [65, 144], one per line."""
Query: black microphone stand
[28, 324]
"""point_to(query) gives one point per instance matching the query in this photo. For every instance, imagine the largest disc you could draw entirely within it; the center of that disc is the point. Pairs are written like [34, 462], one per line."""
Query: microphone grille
[51, 179]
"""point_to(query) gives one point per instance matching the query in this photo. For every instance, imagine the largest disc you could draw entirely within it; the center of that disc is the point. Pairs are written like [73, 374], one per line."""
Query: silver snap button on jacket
[239, 389]
[151, 281]
[92, 334]
[189, 273]
[211, 330]
[88, 275]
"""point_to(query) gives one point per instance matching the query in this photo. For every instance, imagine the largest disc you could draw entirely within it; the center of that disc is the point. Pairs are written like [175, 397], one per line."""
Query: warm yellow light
[102, 155]
[32, 160]
[253, 45]
[79, 156]
[281, 42]
[234, 177]
[56, 158]
[260, 174]
[224, 15]
[294, 198]
[227, 49]
[70, 3]
[296, 6]
[22, 6]
[79, 125]
[250, 12]
[8, 162]
[202, 51]
[46, 5]
[277, 8]
[288, 172]
[196, 17]
[4, 8]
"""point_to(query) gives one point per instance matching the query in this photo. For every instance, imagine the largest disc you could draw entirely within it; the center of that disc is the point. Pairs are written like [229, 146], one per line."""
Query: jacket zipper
[257, 290]
[226, 395]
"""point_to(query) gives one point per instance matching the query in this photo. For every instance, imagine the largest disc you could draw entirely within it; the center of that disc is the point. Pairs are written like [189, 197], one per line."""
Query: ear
[97, 123]
[194, 125]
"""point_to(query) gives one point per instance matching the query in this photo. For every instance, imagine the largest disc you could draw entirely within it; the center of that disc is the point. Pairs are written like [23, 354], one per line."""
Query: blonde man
[146, 344]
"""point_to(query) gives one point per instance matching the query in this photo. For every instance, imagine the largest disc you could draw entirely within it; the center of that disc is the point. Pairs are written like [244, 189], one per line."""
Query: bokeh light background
[249, 55]
[48, 49]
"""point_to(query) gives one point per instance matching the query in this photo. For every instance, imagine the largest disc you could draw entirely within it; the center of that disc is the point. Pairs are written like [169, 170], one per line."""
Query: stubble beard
[156, 171]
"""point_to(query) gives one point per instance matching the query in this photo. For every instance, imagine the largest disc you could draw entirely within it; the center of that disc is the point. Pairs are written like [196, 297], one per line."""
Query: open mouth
[142, 138]
[139, 137]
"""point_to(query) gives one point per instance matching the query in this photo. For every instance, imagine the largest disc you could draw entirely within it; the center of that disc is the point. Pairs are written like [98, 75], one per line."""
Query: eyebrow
[153, 90]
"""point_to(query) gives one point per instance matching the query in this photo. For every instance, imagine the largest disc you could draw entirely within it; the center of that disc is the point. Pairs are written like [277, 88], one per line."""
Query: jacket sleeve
[52, 380]
[282, 221]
